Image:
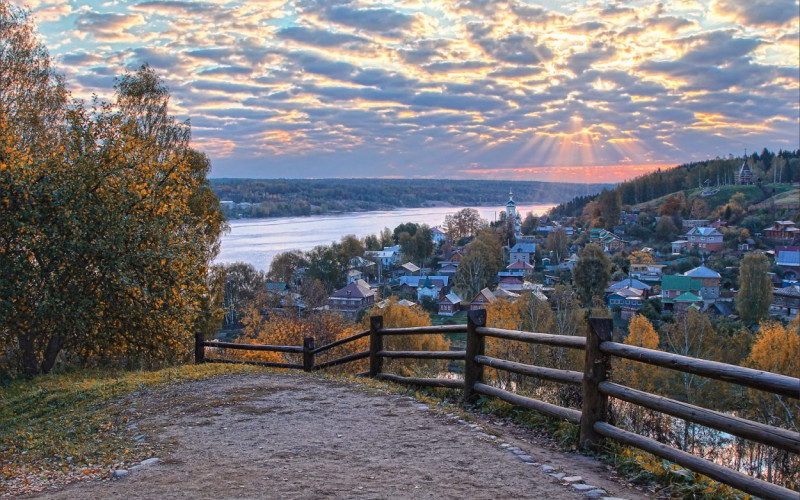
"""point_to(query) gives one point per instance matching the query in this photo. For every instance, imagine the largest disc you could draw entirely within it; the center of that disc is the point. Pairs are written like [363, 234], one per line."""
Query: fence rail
[596, 389]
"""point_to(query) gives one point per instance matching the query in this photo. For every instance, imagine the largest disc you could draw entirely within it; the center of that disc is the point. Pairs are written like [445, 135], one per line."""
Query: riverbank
[257, 241]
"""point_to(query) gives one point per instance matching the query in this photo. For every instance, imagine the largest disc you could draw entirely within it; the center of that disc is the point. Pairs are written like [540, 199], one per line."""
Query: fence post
[476, 346]
[595, 405]
[308, 355]
[199, 349]
[375, 345]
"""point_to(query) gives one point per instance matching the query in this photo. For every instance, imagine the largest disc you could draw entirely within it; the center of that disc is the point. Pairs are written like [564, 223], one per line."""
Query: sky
[573, 91]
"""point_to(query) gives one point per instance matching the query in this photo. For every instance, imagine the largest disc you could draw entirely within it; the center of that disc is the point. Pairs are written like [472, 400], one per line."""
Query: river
[257, 241]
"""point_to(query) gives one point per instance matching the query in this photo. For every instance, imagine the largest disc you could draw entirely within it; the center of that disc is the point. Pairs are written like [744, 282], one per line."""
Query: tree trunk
[54, 347]
[30, 362]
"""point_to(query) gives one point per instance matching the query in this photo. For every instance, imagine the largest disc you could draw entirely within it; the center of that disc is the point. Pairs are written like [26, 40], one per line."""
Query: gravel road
[296, 436]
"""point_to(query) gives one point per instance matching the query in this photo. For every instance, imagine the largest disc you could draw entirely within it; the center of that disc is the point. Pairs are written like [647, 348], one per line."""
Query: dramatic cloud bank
[501, 89]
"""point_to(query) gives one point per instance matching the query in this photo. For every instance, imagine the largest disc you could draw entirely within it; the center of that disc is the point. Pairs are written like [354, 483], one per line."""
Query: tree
[284, 265]
[557, 244]
[610, 203]
[325, 265]
[529, 224]
[398, 316]
[32, 96]
[107, 230]
[464, 224]
[755, 289]
[313, 293]
[666, 229]
[480, 264]
[242, 284]
[692, 334]
[640, 257]
[775, 351]
[640, 375]
[416, 246]
[699, 209]
[592, 272]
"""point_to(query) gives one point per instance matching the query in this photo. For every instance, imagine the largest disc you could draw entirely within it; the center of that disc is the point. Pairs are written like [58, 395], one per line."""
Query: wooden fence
[595, 386]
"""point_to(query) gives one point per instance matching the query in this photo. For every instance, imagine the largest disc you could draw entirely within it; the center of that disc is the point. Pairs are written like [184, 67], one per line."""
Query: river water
[257, 241]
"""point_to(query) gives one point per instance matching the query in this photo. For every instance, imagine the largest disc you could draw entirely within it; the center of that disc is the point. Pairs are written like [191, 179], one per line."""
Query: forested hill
[768, 167]
[282, 197]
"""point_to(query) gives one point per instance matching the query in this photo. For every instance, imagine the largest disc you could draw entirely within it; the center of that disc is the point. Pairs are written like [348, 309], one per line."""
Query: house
[448, 269]
[277, 287]
[388, 257]
[502, 293]
[626, 297]
[687, 224]
[408, 268]
[522, 251]
[517, 268]
[354, 275]
[646, 272]
[402, 303]
[609, 241]
[788, 260]
[709, 281]
[453, 258]
[428, 290]
[449, 304]
[484, 297]
[569, 264]
[439, 235]
[687, 300]
[786, 301]
[745, 175]
[348, 301]
[411, 284]
[704, 239]
[782, 231]
[630, 283]
[536, 289]
[511, 283]
[674, 285]
[680, 246]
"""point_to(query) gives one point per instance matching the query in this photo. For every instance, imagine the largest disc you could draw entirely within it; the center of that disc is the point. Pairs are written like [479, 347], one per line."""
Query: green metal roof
[677, 282]
[687, 297]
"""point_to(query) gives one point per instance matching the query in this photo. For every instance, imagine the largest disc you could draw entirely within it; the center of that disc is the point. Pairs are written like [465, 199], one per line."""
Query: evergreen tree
[592, 272]
[755, 289]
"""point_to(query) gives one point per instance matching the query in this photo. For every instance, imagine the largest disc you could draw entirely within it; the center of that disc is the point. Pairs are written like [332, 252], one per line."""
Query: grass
[65, 427]
[753, 194]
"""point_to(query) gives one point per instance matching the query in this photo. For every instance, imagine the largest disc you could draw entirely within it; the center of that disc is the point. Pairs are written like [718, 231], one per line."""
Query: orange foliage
[397, 316]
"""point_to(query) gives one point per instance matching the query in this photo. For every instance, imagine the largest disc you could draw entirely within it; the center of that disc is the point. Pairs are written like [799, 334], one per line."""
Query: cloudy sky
[504, 89]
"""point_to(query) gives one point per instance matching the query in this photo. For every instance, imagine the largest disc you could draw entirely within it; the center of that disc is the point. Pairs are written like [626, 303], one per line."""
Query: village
[651, 274]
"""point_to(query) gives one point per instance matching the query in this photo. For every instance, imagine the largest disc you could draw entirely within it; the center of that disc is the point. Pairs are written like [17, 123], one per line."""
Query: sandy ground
[295, 436]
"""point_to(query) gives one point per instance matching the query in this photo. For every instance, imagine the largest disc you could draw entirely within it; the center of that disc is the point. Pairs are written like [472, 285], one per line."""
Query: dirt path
[294, 436]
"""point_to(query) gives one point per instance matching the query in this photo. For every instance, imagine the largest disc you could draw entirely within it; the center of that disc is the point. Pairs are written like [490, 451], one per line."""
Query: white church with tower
[511, 212]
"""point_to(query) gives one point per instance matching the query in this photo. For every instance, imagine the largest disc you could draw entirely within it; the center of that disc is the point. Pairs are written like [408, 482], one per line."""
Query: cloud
[598, 51]
[319, 38]
[453, 66]
[514, 48]
[761, 13]
[111, 27]
[380, 20]
[446, 87]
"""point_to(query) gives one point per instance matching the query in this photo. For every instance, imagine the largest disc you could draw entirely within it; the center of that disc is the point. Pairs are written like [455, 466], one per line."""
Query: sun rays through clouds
[456, 88]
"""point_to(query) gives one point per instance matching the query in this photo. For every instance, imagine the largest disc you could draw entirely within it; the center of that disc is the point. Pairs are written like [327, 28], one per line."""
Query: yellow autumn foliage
[632, 373]
[398, 316]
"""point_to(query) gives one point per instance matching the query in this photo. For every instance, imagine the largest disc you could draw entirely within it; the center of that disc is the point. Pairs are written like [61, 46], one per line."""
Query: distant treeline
[768, 167]
[293, 197]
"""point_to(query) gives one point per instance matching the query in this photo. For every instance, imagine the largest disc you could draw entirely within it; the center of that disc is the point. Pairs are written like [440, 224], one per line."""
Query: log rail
[596, 389]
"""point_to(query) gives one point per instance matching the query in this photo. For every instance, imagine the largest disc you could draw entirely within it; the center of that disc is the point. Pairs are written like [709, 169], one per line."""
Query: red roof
[520, 264]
